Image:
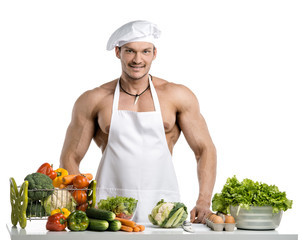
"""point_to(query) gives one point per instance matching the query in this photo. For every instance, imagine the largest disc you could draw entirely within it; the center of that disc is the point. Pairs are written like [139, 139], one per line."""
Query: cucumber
[100, 214]
[97, 224]
[114, 225]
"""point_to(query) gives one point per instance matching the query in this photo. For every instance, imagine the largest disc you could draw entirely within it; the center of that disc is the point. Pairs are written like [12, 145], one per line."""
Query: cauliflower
[168, 214]
[61, 198]
[163, 212]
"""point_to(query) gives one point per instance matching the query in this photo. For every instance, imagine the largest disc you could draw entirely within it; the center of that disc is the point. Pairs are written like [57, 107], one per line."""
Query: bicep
[193, 125]
[79, 132]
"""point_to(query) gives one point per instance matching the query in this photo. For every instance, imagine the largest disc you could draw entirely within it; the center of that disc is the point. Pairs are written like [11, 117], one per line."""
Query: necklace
[134, 95]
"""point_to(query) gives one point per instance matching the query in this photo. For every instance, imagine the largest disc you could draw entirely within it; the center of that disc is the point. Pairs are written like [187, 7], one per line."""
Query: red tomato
[80, 181]
[82, 207]
[80, 196]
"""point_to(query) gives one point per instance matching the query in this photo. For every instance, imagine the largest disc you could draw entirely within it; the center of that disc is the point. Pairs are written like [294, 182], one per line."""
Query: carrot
[136, 229]
[126, 228]
[126, 222]
[61, 186]
[68, 179]
[142, 227]
[89, 176]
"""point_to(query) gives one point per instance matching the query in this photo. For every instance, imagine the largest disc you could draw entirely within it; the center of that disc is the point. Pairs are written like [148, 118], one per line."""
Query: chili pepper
[47, 169]
[64, 211]
[61, 172]
[56, 222]
[77, 221]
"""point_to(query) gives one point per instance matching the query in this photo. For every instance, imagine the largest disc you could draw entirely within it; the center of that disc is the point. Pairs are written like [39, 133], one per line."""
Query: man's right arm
[79, 134]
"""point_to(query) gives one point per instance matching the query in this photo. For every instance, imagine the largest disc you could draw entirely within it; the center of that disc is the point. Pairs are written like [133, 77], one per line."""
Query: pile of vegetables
[93, 219]
[50, 189]
[249, 193]
[168, 214]
[101, 220]
[123, 207]
[63, 199]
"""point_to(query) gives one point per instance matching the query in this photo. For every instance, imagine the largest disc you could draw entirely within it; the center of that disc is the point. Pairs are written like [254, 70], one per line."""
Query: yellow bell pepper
[64, 211]
[61, 172]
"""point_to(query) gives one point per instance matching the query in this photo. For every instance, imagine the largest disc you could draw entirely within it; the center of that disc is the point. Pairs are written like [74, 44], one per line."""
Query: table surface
[36, 230]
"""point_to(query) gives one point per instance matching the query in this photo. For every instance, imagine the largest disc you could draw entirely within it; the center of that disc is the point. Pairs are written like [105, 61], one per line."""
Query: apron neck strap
[152, 89]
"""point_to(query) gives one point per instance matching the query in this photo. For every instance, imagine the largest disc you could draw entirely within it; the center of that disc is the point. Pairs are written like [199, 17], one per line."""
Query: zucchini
[114, 225]
[100, 214]
[97, 224]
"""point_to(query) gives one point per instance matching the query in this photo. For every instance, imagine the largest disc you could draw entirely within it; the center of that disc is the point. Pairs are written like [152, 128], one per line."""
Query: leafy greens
[121, 206]
[249, 193]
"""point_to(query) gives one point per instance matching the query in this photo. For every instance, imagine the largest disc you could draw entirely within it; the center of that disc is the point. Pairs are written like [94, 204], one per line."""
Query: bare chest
[145, 103]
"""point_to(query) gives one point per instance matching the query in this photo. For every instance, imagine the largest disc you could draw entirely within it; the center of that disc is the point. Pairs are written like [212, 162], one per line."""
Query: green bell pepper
[77, 221]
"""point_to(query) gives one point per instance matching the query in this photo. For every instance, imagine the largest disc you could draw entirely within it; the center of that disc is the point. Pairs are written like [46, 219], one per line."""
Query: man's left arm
[196, 133]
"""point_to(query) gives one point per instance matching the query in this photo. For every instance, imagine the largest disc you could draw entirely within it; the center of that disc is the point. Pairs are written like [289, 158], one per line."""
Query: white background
[242, 59]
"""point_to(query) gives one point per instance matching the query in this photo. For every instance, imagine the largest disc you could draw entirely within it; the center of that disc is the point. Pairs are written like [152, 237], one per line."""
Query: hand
[200, 212]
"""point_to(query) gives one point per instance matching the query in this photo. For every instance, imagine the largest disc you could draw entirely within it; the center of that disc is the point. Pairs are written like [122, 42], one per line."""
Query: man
[136, 121]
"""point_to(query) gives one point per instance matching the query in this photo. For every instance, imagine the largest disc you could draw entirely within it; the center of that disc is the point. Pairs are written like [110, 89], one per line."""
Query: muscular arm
[196, 133]
[79, 135]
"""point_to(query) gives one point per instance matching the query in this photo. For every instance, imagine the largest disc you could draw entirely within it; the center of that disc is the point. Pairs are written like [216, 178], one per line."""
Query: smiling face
[136, 59]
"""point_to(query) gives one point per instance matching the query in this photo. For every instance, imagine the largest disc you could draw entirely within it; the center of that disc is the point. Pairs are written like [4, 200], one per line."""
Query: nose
[137, 58]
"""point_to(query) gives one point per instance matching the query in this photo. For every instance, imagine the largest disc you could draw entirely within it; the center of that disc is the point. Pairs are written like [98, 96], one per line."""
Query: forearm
[75, 146]
[206, 171]
[70, 164]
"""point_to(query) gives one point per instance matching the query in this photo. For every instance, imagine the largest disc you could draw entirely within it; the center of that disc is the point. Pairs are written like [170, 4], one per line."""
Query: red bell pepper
[56, 222]
[47, 169]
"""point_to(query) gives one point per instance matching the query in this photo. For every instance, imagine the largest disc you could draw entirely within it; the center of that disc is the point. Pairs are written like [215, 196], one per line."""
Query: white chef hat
[136, 31]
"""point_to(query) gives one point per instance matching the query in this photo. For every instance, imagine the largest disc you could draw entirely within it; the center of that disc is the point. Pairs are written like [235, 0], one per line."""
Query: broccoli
[38, 181]
[35, 209]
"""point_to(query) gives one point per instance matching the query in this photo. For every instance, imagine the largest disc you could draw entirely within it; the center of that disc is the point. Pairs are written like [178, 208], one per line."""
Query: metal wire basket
[23, 208]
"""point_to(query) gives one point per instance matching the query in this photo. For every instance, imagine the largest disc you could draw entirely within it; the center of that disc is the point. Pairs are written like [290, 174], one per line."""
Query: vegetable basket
[23, 208]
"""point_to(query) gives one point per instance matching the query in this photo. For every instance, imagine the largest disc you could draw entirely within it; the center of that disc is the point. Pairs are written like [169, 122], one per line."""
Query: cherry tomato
[80, 196]
[82, 207]
[80, 181]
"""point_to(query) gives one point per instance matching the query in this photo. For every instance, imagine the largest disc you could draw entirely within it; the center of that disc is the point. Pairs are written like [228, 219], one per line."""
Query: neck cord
[134, 95]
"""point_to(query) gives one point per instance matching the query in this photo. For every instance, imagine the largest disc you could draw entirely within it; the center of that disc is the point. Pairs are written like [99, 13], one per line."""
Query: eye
[129, 50]
[146, 51]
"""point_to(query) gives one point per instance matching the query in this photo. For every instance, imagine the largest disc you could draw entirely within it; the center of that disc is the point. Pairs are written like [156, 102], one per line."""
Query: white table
[36, 230]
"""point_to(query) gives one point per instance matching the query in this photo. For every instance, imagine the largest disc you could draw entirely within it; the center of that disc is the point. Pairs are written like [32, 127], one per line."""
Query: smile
[137, 67]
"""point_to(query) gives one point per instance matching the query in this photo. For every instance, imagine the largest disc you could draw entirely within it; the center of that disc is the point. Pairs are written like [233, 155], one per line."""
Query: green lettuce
[249, 193]
[122, 206]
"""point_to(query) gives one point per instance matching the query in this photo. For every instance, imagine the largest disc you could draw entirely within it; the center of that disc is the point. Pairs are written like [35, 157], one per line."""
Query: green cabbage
[249, 193]
[168, 214]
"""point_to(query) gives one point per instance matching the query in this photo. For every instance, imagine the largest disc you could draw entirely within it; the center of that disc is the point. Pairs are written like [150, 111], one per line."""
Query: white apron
[136, 161]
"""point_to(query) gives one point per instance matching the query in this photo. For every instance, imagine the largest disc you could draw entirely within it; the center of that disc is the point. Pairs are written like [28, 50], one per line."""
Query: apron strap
[116, 96]
[154, 95]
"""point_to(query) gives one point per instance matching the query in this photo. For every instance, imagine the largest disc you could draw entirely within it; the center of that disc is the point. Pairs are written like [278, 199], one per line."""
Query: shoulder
[95, 98]
[178, 94]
